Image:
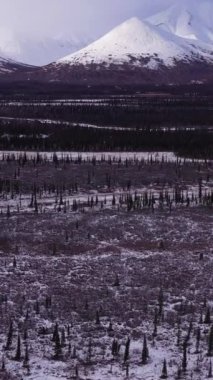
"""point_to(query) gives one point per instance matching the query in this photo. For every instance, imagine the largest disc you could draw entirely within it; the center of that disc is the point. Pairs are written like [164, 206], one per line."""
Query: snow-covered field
[80, 277]
[96, 251]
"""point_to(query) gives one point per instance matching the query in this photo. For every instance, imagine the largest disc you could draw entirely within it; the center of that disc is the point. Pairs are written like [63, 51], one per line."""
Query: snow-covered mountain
[189, 20]
[174, 46]
[9, 67]
[138, 42]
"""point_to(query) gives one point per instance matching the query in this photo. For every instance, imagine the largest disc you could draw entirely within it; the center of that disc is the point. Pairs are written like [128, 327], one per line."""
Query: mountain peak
[132, 21]
[135, 41]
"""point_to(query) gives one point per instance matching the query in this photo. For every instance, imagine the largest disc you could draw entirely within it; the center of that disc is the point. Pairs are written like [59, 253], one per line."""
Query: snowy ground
[124, 264]
[80, 284]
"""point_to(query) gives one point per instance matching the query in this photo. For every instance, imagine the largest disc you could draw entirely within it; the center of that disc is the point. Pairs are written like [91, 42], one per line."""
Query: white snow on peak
[190, 20]
[132, 41]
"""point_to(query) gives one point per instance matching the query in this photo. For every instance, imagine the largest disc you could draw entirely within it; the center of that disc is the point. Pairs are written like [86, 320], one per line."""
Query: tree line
[19, 135]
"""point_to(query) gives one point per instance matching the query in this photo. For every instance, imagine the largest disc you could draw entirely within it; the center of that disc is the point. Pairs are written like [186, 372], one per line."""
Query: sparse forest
[106, 255]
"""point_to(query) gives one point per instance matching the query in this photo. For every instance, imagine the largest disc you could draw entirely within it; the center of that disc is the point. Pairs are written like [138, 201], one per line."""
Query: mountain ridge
[137, 39]
[184, 22]
[174, 46]
[10, 67]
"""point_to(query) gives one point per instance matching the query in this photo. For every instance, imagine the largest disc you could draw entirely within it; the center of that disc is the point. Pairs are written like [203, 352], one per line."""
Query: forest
[182, 124]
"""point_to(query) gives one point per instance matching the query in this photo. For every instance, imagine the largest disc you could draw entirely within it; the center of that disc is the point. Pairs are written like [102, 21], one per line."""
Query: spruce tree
[8, 211]
[184, 361]
[178, 335]
[145, 351]
[155, 324]
[160, 302]
[189, 332]
[117, 281]
[207, 319]
[114, 347]
[68, 330]
[3, 365]
[76, 372]
[97, 320]
[126, 352]
[89, 355]
[25, 334]
[127, 370]
[37, 307]
[210, 342]
[18, 349]
[164, 370]
[210, 370]
[36, 206]
[63, 338]
[27, 315]
[179, 374]
[14, 262]
[201, 318]
[74, 353]
[110, 328]
[198, 340]
[56, 340]
[26, 357]
[58, 351]
[55, 332]
[9, 336]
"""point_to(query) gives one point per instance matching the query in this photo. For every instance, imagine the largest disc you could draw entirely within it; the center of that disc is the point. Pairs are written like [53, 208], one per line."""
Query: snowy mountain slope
[187, 20]
[36, 50]
[135, 40]
[9, 67]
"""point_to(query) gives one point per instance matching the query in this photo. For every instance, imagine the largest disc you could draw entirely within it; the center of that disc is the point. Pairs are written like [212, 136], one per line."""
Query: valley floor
[132, 259]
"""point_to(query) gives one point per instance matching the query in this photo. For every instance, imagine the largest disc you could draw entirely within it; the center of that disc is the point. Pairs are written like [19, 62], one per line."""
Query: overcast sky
[79, 16]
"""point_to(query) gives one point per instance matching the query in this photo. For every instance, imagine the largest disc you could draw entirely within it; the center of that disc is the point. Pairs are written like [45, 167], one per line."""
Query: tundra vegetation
[106, 259]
